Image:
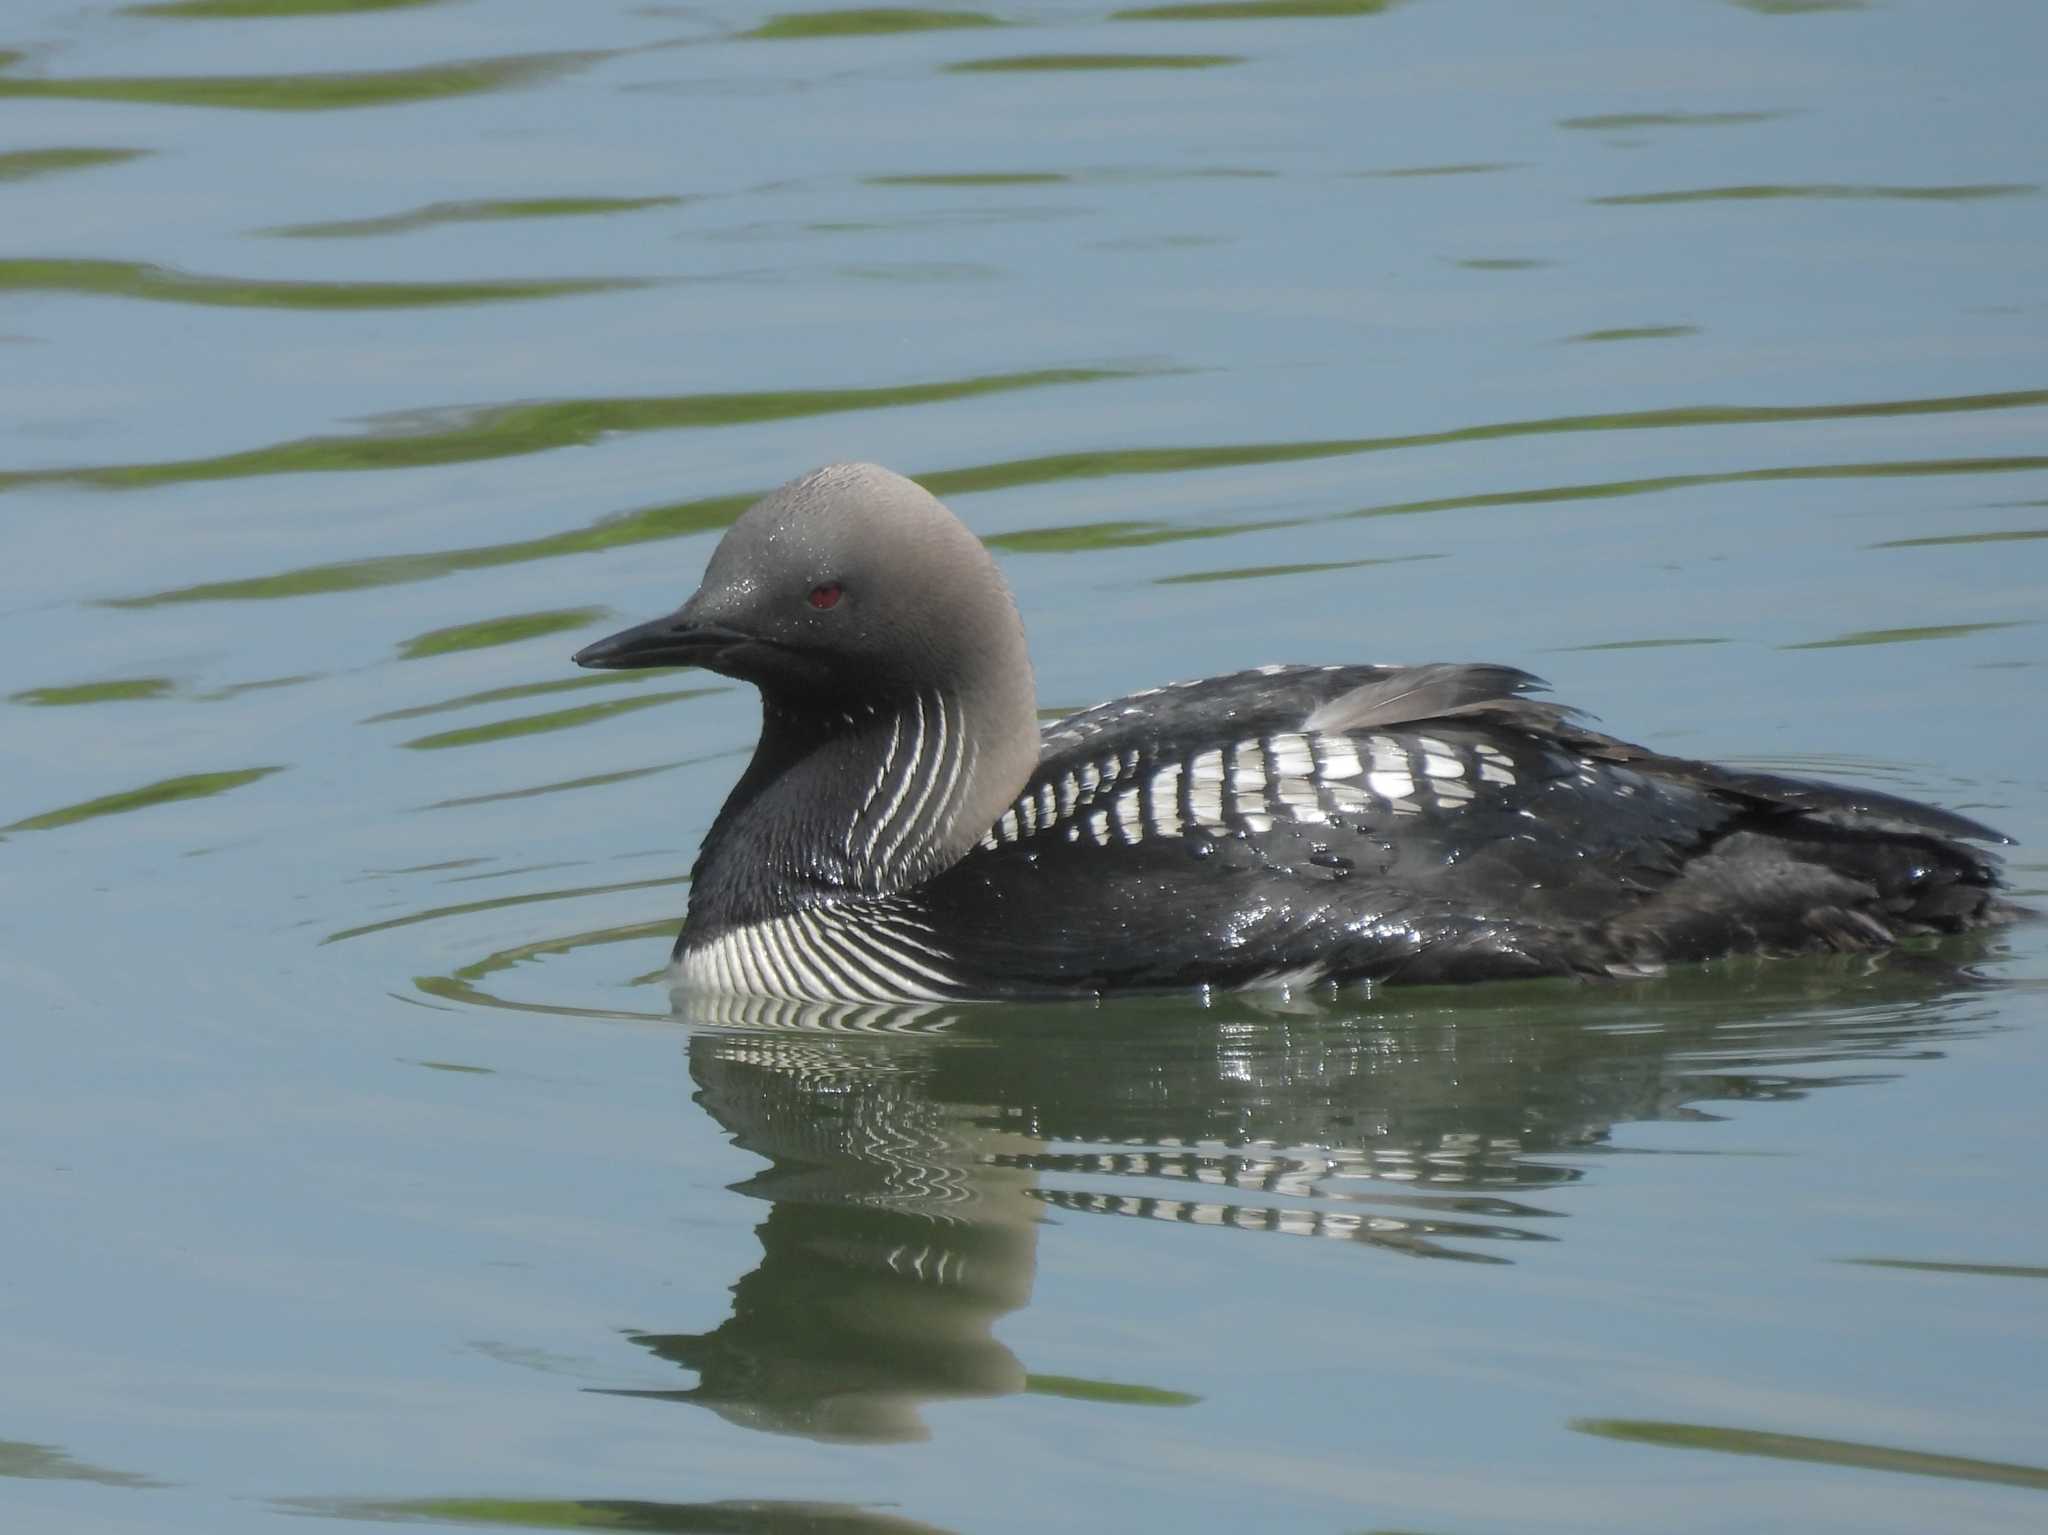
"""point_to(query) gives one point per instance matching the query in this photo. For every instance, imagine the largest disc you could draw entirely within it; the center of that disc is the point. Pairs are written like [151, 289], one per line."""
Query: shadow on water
[913, 1153]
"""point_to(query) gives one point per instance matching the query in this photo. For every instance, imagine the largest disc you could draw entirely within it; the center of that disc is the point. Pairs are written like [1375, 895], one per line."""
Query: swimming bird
[906, 830]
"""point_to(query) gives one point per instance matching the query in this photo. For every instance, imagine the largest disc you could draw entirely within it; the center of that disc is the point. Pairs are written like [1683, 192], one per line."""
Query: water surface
[358, 361]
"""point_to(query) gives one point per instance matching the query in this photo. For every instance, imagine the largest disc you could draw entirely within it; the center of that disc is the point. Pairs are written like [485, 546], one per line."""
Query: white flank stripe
[1130, 822]
[1089, 778]
[1439, 766]
[1027, 814]
[1247, 774]
[789, 970]
[1294, 792]
[1207, 768]
[1298, 795]
[750, 963]
[1337, 758]
[1387, 755]
[1347, 796]
[1449, 791]
[1258, 823]
[1166, 801]
[894, 946]
[1070, 795]
[1048, 807]
[855, 964]
[1494, 774]
[1098, 827]
[1291, 756]
[1391, 785]
[1432, 744]
[822, 955]
[860, 965]
[824, 961]
[1205, 802]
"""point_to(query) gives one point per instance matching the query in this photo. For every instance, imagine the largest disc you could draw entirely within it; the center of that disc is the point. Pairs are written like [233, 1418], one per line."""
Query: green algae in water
[1975, 1270]
[972, 179]
[561, 786]
[677, 519]
[1054, 62]
[46, 1463]
[1460, 168]
[2013, 536]
[165, 791]
[267, 10]
[1666, 644]
[511, 694]
[509, 630]
[138, 280]
[1638, 333]
[726, 1517]
[301, 93]
[1077, 1389]
[1822, 192]
[1623, 121]
[481, 211]
[501, 903]
[21, 164]
[467, 435]
[541, 724]
[1800, 7]
[1265, 572]
[1901, 636]
[1079, 537]
[872, 22]
[1815, 1451]
[115, 690]
[1255, 10]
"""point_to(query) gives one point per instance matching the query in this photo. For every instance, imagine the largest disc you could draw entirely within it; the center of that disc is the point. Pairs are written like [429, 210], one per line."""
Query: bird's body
[904, 832]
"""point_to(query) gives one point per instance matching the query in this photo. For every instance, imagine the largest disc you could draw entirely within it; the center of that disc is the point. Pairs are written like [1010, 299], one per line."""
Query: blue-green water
[359, 361]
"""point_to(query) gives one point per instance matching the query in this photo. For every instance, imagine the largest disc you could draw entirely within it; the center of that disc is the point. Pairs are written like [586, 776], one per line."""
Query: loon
[906, 832]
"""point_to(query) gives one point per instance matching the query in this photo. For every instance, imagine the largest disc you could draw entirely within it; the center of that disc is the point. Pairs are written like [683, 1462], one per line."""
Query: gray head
[851, 580]
[845, 596]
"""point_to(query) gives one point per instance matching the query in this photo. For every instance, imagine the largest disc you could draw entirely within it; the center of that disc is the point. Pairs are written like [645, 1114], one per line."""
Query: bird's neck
[862, 800]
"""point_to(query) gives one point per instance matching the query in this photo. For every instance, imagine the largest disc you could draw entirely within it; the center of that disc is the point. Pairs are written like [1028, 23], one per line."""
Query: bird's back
[1414, 824]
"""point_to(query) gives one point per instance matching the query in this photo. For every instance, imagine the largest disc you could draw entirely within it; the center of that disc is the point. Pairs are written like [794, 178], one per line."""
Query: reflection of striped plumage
[904, 830]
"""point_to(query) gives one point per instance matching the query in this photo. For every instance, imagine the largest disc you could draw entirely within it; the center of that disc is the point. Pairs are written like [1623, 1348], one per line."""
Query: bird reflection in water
[914, 1151]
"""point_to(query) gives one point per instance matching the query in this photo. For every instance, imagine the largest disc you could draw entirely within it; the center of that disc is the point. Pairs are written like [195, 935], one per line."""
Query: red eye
[826, 595]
